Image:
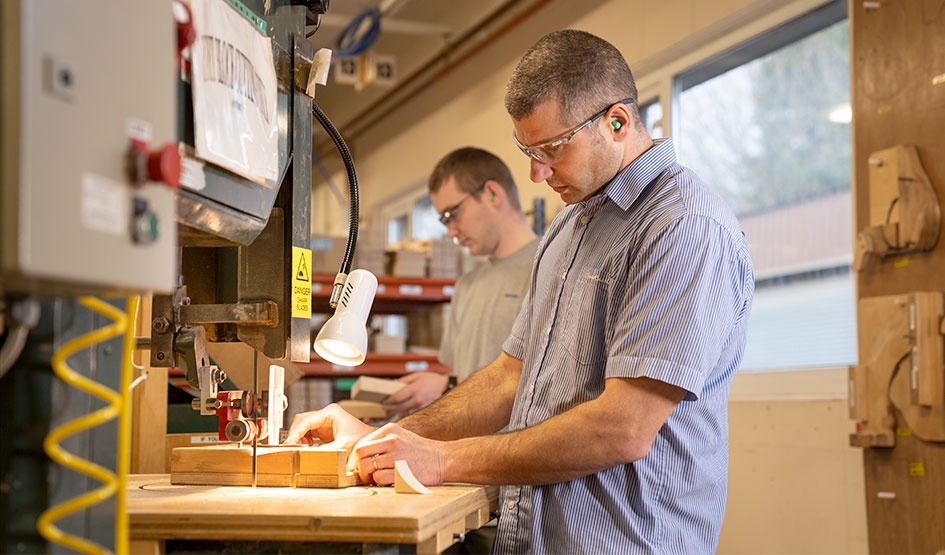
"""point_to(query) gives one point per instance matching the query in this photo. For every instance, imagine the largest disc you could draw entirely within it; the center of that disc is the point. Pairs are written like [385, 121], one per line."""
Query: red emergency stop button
[164, 165]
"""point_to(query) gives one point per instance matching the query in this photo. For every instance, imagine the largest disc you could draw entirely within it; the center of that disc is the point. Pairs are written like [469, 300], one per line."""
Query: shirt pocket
[585, 329]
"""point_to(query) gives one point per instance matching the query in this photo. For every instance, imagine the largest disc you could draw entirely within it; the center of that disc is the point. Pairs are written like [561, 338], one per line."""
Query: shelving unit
[374, 365]
[395, 295]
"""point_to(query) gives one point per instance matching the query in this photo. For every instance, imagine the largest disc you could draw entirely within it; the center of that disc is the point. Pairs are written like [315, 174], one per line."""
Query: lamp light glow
[343, 338]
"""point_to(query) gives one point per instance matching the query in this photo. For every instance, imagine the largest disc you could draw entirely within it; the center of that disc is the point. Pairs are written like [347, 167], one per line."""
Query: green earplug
[616, 124]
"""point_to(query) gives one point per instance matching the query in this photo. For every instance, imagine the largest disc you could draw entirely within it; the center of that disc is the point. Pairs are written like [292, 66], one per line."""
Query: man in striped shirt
[614, 380]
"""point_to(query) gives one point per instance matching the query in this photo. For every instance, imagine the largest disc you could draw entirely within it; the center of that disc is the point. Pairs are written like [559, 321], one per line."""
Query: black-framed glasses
[552, 151]
[450, 213]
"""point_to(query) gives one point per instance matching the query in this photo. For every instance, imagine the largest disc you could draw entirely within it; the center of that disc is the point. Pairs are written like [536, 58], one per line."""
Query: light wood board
[158, 510]
[231, 465]
[898, 97]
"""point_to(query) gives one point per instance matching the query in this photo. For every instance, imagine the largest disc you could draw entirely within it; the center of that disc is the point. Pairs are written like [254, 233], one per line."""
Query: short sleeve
[515, 344]
[684, 291]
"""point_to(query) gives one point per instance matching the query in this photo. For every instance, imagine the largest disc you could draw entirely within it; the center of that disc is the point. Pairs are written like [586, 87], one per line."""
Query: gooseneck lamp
[343, 338]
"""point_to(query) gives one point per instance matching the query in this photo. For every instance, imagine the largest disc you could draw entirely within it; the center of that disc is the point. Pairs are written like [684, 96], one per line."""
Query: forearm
[576, 443]
[618, 427]
[480, 405]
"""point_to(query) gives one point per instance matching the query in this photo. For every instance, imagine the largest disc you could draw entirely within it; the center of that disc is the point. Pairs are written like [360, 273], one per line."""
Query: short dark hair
[583, 72]
[470, 167]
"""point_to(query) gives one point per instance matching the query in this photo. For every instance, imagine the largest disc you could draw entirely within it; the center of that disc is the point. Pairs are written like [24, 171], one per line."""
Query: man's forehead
[543, 124]
[447, 192]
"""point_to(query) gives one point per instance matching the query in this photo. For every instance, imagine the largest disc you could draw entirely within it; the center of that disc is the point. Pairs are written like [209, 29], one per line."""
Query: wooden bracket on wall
[902, 366]
[905, 215]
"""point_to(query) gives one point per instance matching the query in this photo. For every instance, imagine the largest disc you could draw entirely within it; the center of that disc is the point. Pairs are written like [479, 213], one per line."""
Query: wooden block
[858, 377]
[322, 461]
[927, 386]
[282, 466]
[884, 186]
[231, 458]
[364, 409]
[232, 479]
[374, 389]
[326, 481]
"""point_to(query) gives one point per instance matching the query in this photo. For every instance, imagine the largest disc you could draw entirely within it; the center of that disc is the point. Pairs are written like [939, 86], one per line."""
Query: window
[397, 229]
[426, 222]
[766, 125]
[652, 115]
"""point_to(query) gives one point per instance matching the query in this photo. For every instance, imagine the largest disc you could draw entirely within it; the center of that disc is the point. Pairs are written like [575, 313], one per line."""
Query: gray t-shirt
[484, 306]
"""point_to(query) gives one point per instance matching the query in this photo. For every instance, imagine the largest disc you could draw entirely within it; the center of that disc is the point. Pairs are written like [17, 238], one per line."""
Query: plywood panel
[897, 52]
[149, 404]
[791, 470]
[898, 97]
[159, 510]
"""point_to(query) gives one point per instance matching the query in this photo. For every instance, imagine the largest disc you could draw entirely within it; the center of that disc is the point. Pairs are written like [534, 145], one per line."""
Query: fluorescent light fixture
[343, 338]
[841, 114]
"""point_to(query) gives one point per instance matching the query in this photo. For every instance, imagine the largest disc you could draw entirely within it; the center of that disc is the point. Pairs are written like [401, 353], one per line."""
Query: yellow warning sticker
[916, 469]
[301, 283]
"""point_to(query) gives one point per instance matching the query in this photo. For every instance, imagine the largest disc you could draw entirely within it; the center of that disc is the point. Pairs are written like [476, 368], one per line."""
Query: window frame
[751, 33]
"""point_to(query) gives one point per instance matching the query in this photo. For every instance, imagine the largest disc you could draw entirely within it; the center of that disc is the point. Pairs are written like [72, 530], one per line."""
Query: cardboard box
[407, 263]
[389, 344]
[425, 327]
[327, 253]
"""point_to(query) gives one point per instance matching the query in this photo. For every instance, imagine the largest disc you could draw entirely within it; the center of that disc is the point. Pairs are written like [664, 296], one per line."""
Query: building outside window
[767, 126]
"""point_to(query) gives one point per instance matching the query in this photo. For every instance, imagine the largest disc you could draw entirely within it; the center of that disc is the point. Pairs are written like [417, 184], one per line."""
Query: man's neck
[517, 235]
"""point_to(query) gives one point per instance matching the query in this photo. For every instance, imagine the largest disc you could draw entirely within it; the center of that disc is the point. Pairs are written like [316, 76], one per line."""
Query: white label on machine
[104, 205]
[204, 439]
[234, 90]
[138, 130]
[191, 175]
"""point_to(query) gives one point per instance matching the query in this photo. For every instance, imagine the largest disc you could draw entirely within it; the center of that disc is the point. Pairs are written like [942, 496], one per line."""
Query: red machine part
[234, 420]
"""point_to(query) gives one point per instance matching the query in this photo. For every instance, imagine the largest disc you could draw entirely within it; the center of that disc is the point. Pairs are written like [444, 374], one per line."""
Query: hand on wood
[373, 457]
[332, 425]
[422, 389]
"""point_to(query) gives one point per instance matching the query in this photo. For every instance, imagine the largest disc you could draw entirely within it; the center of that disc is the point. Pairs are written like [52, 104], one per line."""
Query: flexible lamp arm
[353, 203]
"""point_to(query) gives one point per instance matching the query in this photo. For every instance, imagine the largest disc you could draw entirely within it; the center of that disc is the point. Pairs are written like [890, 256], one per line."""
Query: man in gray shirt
[476, 197]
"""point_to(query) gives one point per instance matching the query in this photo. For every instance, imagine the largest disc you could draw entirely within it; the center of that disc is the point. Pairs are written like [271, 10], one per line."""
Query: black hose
[352, 186]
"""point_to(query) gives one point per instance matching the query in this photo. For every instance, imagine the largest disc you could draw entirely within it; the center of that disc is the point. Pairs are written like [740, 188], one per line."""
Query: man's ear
[491, 190]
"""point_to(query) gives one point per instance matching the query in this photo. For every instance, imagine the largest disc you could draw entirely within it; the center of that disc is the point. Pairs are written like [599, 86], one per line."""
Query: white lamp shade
[343, 338]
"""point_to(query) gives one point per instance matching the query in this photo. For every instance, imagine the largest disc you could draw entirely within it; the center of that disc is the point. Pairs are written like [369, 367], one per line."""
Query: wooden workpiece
[364, 409]
[229, 464]
[158, 510]
[376, 390]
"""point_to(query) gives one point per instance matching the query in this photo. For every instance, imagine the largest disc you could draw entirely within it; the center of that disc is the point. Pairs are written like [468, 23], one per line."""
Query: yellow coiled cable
[118, 405]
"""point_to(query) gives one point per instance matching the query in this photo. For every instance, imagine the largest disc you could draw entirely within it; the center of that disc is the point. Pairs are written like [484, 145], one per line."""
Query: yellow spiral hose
[118, 405]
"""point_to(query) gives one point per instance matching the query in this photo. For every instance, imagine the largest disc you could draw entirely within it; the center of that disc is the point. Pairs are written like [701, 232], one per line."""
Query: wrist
[451, 462]
[451, 382]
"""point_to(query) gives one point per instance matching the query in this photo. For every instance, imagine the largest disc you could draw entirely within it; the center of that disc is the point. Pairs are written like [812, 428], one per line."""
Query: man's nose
[540, 171]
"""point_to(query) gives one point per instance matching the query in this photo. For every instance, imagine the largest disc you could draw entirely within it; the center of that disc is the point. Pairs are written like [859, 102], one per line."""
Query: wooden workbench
[159, 511]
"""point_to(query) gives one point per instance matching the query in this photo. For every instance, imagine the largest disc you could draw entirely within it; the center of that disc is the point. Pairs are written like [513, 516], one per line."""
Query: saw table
[159, 511]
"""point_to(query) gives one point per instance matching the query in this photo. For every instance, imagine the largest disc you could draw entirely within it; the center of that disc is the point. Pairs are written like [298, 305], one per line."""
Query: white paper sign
[234, 86]
[104, 205]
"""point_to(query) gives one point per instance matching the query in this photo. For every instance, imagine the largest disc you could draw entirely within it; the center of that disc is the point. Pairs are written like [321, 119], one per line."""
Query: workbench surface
[158, 510]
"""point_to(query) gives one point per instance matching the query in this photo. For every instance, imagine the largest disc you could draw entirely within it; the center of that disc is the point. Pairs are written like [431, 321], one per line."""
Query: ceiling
[415, 32]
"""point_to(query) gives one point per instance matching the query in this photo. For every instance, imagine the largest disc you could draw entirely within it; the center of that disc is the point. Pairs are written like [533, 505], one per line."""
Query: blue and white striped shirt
[651, 278]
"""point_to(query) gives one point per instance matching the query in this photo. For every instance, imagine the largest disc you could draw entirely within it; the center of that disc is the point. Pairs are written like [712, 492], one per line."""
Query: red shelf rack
[374, 365]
